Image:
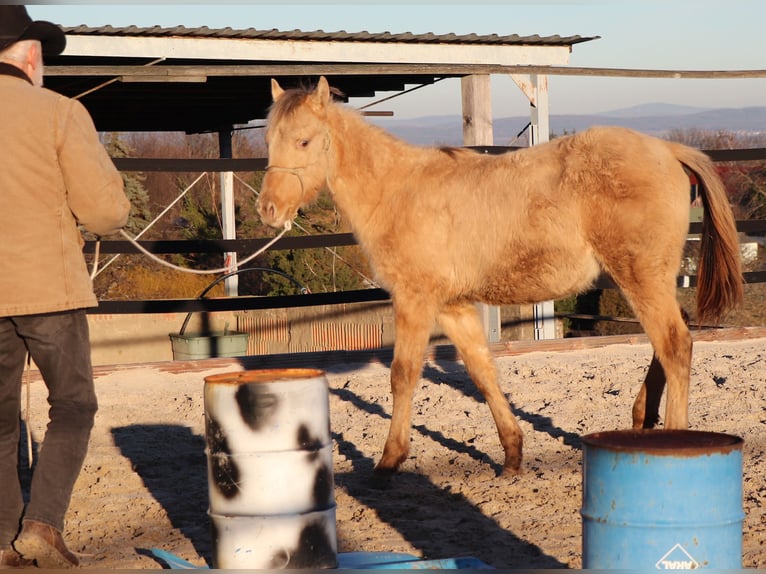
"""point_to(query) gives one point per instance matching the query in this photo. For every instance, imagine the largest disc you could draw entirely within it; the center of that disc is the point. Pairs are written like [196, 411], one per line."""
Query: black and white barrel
[270, 477]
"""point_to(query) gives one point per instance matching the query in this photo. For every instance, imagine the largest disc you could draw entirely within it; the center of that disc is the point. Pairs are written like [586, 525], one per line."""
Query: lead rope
[27, 409]
[287, 227]
[94, 271]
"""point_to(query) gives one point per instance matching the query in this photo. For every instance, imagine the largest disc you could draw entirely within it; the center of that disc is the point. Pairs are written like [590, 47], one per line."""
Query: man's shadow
[171, 461]
[172, 464]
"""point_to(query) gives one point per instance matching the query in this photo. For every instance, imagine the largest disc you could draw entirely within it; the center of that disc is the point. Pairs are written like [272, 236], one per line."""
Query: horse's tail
[719, 277]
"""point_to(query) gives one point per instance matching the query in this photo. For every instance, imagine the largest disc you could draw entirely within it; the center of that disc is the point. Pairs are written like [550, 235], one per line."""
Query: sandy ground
[144, 484]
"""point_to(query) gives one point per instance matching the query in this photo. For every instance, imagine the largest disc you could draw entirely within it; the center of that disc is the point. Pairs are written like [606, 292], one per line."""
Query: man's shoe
[45, 545]
[9, 559]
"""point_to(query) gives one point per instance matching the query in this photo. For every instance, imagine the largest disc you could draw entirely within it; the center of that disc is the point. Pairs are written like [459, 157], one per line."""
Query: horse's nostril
[266, 210]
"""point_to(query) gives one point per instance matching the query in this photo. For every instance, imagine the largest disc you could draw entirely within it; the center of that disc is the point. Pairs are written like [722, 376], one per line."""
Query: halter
[296, 171]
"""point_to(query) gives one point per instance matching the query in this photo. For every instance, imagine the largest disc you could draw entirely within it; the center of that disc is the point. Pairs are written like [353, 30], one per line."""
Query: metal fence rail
[221, 246]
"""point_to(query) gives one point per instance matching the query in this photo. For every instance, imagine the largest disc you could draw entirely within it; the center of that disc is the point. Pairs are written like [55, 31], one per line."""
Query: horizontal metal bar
[744, 226]
[237, 303]
[308, 300]
[243, 246]
[260, 163]
[301, 242]
[189, 165]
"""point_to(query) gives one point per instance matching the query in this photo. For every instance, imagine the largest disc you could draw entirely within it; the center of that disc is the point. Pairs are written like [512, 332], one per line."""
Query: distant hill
[655, 119]
[654, 109]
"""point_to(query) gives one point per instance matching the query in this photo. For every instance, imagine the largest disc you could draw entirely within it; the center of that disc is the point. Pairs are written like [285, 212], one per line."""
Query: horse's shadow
[162, 453]
[171, 461]
[434, 435]
[414, 507]
[445, 370]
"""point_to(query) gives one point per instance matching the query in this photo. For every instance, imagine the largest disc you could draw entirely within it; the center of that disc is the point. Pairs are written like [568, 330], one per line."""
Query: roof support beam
[446, 69]
[291, 50]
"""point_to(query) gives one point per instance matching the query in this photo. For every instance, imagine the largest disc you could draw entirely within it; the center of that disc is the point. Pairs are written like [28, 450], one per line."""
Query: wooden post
[477, 110]
[477, 130]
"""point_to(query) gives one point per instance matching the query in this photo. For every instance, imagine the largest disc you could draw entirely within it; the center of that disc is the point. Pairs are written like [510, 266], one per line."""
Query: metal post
[545, 323]
[231, 284]
[477, 130]
[535, 87]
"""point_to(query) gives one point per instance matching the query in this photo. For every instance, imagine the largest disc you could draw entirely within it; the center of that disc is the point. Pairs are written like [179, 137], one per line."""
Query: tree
[745, 181]
[140, 214]
[320, 270]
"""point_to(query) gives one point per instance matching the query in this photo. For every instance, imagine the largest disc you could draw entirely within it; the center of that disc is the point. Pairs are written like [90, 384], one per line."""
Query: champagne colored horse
[445, 228]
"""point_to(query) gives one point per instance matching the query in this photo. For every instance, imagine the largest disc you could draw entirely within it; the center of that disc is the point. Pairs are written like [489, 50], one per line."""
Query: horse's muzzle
[267, 211]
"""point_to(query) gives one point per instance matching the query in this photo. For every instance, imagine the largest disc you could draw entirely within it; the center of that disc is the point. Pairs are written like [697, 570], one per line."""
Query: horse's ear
[276, 90]
[322, 94]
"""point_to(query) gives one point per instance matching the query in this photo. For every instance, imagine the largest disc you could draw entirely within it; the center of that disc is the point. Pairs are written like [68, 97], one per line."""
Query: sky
[644, 34]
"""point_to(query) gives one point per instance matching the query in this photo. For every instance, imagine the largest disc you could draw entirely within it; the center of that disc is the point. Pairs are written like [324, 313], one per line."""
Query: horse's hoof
[385, 471]
[510, 471]
[382, 477]
[512, 466]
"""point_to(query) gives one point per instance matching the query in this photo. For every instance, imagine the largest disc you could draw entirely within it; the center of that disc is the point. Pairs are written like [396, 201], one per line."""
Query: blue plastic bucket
[662, 499]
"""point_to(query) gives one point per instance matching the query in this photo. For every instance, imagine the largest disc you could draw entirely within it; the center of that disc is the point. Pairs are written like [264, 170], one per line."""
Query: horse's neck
[362, 161]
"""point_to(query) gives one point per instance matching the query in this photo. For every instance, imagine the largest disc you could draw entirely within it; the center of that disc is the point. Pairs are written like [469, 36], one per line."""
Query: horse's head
[298, 143]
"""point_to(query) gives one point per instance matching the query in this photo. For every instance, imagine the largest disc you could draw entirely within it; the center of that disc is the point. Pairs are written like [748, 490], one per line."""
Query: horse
[445, 228]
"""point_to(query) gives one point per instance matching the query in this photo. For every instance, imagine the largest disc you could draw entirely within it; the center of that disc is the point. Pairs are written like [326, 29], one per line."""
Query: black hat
[16, 25]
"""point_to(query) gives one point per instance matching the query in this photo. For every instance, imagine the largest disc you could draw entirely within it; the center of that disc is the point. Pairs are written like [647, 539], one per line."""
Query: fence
[260, 303]
[221, 246]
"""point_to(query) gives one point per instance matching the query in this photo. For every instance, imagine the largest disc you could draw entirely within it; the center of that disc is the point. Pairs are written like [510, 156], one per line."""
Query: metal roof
[322, 36]
[133, 91]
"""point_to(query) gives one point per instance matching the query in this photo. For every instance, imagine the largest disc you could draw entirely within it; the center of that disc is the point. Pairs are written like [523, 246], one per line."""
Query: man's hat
[16, 25]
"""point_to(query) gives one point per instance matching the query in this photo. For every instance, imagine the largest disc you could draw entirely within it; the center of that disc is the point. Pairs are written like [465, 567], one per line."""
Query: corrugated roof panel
[321, 35]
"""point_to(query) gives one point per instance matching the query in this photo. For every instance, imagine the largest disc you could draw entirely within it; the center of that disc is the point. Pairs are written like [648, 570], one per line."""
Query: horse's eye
[304, 143]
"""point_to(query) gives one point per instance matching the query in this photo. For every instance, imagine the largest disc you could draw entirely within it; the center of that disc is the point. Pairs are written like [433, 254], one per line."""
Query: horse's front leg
[462, 324]
[413, 320]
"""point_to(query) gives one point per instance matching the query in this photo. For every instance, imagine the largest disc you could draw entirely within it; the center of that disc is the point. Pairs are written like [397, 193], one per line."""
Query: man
[54, 176]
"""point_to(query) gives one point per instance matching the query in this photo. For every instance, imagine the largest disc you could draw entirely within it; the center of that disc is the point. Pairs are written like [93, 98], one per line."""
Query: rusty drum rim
[257, 376]
[665, 442]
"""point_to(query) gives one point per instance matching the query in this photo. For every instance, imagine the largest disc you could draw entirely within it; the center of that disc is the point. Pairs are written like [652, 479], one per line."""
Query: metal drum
[662, 499]
[270, 477]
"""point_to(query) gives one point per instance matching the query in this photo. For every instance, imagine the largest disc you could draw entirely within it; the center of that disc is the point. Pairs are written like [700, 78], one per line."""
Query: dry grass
[135, 279]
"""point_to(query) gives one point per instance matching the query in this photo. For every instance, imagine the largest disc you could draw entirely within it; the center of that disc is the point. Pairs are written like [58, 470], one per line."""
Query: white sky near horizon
[646, 34]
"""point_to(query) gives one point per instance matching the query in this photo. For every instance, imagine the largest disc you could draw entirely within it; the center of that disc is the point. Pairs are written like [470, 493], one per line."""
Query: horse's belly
[514, 284]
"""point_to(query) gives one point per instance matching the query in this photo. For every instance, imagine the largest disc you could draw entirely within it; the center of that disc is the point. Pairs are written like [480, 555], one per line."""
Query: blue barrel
[662, 499]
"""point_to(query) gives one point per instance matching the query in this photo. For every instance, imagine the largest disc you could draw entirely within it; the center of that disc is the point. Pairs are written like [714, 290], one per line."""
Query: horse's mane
[292, 99]
[455, 152]
[286, 105]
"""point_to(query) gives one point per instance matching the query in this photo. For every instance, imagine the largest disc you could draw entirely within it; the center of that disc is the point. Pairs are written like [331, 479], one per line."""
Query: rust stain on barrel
[677, 443]
[263, 376]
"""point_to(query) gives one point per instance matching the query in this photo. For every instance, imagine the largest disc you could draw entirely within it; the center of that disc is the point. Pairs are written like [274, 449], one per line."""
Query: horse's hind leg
[646, 409]
[657, 309]
[461, 323]
[413, 322]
